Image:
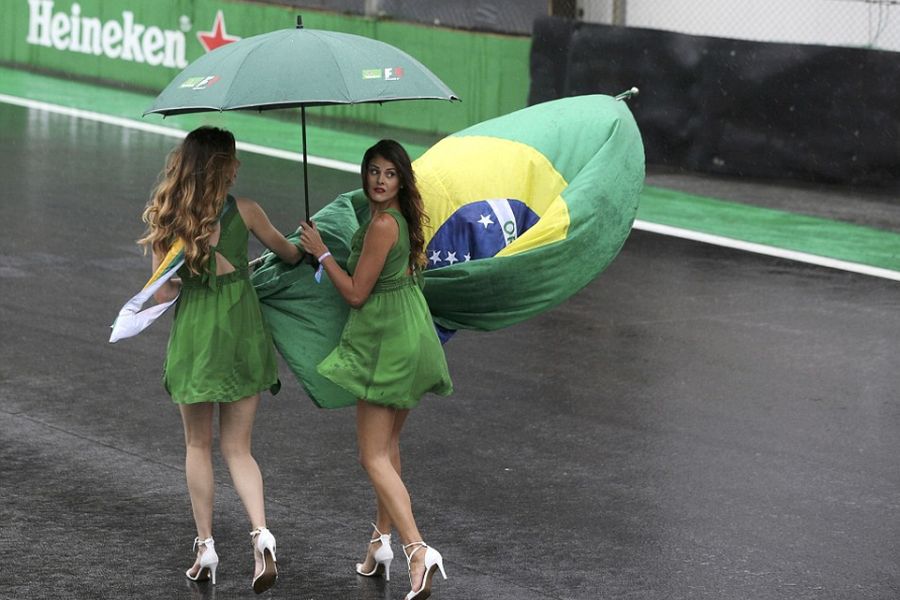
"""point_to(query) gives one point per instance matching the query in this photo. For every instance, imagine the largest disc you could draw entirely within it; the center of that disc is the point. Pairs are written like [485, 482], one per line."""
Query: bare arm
[259, 225]
[170, 289]
[380, 238]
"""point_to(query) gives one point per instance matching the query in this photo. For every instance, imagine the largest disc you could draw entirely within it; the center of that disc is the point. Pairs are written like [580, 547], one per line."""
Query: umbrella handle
[255, 263]
[305, 176]
[309, 259]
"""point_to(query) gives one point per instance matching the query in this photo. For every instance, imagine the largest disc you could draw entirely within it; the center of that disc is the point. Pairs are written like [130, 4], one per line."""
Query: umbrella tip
[299, 22]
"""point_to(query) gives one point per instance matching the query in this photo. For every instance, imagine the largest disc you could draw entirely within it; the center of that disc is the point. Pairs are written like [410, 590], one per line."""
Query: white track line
[803, 257]
[78, 113]
[338, 165]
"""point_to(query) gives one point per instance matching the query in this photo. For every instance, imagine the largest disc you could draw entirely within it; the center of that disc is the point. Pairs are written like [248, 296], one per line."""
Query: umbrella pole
[305, 177]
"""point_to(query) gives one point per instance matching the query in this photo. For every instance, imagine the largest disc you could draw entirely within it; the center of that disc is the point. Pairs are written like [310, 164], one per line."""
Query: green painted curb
[280, 131]
[780, 229]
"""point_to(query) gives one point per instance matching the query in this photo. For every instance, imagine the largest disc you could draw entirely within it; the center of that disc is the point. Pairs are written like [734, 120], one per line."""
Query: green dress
[220, 349]
[389, 352]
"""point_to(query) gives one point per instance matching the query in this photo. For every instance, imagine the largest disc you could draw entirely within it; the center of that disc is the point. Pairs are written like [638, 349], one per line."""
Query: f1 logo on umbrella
[393, 73]
[200, 83]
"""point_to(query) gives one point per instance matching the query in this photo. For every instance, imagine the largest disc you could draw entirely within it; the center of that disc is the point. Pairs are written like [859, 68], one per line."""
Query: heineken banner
[145, 44]
[142, 43]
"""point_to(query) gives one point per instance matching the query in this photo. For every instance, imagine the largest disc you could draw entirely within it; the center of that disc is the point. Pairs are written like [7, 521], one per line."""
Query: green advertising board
[144, 45]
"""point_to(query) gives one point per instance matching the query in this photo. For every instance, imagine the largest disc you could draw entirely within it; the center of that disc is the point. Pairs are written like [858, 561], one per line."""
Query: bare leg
[375, 430]
[235, 432]
[198, 434]
[382, 519]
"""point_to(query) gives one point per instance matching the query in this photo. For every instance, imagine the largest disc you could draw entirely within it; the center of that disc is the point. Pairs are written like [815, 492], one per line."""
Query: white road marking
[339, 165]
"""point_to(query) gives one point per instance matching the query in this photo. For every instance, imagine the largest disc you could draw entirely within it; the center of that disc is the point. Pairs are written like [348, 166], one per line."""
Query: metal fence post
[618, 12]
[373, 8]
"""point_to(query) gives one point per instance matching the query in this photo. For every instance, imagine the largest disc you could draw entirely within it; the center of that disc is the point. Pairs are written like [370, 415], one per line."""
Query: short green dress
[389, 353]
[220, 349]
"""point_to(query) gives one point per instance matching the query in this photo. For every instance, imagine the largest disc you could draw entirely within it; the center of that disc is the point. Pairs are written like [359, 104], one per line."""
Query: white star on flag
[485, 220]
[435, 257]
[451, 258]
[467, 256]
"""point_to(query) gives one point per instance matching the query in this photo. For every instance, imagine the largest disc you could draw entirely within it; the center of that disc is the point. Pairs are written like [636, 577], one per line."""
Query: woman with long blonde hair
[389, 354]
[220, 352]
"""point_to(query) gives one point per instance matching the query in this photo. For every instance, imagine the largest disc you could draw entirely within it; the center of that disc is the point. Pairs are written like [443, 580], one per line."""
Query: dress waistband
[213, 281]
[396, 283]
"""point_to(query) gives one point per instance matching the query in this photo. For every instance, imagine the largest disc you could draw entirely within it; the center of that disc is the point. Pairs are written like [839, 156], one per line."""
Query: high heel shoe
[208, 561]
[382, 555]
[433, 561]
[264, 557]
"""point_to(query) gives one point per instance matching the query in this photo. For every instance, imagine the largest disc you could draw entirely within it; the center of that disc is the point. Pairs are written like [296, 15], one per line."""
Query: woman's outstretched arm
[259, 225]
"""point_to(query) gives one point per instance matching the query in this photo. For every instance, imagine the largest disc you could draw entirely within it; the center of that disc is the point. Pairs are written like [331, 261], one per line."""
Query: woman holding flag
[219, 351]
[389, 355]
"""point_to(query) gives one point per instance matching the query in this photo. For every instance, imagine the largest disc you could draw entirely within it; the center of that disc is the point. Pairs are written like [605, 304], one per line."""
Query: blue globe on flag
[479, 230]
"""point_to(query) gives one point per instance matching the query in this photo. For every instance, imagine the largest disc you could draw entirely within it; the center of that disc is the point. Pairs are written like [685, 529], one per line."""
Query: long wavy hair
[410, 200]
[189, 195]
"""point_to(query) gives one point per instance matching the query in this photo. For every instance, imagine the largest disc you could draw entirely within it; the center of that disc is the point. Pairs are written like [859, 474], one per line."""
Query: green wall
[488, 72]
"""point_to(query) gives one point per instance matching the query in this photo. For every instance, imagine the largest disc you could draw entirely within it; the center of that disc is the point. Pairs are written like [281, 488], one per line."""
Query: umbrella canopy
[298, 67]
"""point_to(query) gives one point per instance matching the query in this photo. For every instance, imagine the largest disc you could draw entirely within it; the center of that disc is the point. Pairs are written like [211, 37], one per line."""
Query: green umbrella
[298, 67]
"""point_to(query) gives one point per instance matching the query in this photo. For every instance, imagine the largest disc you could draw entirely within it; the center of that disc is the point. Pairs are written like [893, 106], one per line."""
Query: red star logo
[218, 36]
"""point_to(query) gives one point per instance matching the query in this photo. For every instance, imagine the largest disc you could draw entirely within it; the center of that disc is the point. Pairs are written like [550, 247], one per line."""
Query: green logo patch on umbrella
[388, 73]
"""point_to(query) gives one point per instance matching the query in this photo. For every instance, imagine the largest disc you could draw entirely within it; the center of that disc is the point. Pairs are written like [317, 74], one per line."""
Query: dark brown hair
[408, 195]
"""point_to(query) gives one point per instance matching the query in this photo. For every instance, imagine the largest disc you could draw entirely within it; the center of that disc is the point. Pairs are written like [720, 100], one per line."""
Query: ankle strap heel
[208, 542]
[383, 556]
[433, 562]
[264, 555]
[207, 562]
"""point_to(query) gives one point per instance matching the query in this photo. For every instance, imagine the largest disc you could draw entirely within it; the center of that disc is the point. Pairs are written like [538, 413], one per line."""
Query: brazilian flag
[524, 210]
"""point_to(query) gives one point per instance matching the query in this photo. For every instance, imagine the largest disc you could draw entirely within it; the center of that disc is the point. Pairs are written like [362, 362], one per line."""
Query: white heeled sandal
[266, 572]
[382, 555]
[208, 561]
[433, 562]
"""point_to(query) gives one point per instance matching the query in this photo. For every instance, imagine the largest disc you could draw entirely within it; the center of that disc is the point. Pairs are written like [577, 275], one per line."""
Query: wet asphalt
[697, 423]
